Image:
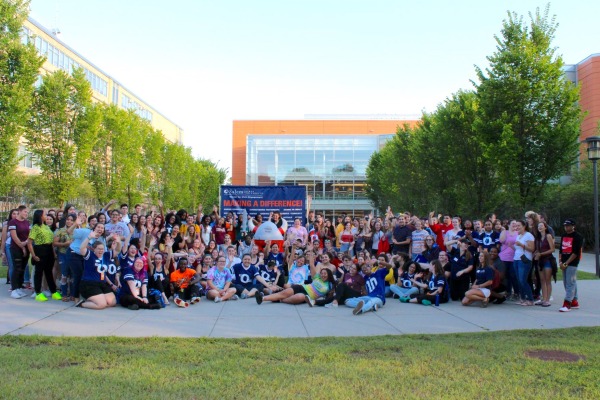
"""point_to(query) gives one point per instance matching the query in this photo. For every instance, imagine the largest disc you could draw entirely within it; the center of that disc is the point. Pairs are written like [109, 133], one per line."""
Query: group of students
[146, 260]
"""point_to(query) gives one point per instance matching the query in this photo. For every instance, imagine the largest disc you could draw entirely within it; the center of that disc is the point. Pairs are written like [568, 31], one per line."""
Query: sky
[205, 63]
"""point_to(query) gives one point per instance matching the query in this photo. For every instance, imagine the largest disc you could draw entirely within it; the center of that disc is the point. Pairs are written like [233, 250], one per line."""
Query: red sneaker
[566, 307]
[574, 304]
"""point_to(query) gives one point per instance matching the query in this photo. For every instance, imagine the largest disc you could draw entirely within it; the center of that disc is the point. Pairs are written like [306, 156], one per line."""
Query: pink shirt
[507, 251]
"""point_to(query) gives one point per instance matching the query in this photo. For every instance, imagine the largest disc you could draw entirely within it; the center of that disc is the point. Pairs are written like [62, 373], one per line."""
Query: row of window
[61, 60]
[129, 104]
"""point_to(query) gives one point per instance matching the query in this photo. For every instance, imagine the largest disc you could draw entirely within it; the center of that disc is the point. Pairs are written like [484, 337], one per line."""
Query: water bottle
[437, 300]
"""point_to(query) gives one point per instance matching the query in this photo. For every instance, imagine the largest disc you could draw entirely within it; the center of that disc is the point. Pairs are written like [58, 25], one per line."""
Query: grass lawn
[476, 365]
[581, 276]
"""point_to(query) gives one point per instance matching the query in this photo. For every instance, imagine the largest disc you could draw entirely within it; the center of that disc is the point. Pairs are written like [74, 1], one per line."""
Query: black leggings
[431, 298]
[19, 264]
[458, 288]
[44, 266]
[128, 300]
[343, 292]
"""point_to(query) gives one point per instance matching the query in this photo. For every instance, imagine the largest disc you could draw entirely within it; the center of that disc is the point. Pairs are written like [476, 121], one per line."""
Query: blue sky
[204, 64]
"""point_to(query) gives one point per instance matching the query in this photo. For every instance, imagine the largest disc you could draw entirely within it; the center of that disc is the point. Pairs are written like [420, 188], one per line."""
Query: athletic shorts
[89, 289]
[485, 291]
[299, 289]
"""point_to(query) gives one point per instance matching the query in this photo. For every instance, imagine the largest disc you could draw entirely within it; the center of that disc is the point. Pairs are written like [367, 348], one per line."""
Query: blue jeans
[63, 261]
[404, 292]
[76, 268]
[570, 282]
[523, 269]
[369, 302]
[9, 261]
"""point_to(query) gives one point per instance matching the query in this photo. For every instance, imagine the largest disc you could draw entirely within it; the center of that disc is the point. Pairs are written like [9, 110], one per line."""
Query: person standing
[18, 229]
[570, 253]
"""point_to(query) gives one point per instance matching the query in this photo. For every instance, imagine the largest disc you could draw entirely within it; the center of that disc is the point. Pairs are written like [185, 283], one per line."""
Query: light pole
[593, 143]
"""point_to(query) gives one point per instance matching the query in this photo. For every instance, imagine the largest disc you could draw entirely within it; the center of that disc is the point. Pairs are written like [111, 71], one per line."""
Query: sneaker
[217, 299]
[574, 304]
[195, 300]
[15, 294]
[47, 293]
[551, 299]
[235, 297]
[180, 302]
[32, 295]
[564, 309]
[133, 307]
[22, 293]
[358, 309]
[309, 301]
[331, 305]
[56, 296]
[259, 297]
[404, 299]
[426, 302]
[538, 302]
[546, 304]
[376, 307]
[41, 297]
[244, 296]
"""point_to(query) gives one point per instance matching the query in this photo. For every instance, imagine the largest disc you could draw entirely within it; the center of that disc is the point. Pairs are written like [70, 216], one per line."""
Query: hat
[569, 221]
[272, 263]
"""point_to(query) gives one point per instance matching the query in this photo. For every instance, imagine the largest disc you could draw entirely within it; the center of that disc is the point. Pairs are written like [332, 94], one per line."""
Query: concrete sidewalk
[244, 318]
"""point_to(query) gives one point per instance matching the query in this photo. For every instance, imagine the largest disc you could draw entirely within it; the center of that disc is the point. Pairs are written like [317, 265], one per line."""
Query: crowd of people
[150, 258]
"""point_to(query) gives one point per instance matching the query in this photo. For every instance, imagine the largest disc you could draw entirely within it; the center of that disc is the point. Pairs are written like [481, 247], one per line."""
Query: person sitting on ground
[134, 288]
[323, 282]
[481, 289]
[375, 284]
[410, 281]
[247, 280]
[184, 284]
[437, 287]
[270, 274]
[94, 288]
[352, 285]
[219, 281]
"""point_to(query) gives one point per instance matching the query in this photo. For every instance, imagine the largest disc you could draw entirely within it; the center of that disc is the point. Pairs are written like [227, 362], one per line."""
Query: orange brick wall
[588, 75]
[241, 129]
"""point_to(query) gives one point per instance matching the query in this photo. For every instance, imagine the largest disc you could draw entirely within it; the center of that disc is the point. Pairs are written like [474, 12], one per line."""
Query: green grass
[581, 276]
[473, 365]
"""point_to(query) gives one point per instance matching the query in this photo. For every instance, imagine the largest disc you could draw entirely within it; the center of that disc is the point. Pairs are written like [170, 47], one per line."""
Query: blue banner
[290, 201]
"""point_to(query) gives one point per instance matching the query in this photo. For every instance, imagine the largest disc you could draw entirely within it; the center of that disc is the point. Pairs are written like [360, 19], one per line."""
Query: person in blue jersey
[270, 274]
[134, 288]
[375, 286]
[409, 280]
[131, 250]
[246, 278]
[437, 286]
[487, 238]
[323, 282]
[94, 287]
[481, 289]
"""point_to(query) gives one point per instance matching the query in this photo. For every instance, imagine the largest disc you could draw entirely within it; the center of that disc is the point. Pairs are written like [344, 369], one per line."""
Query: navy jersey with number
[405, 280]
[266, 274]
[487, 240]
[278, 258]
[243, 276]
[375, 284]
[439, 282]
[138, 278]
[97, 269]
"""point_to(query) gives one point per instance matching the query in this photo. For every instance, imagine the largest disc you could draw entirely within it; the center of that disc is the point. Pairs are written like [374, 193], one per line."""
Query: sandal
[546, 304]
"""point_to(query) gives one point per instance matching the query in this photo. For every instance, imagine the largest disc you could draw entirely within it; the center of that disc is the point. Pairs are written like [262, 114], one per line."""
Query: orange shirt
[183, 279]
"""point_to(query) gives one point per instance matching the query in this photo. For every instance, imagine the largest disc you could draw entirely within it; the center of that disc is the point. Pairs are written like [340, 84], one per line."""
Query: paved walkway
[244, 318]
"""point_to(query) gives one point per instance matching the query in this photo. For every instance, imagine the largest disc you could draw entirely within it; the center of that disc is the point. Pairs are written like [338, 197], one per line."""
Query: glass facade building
[332, 167]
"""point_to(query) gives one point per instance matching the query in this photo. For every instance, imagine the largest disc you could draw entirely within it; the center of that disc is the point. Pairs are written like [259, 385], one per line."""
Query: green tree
[19, 66]
[529, 113]
[63, 130]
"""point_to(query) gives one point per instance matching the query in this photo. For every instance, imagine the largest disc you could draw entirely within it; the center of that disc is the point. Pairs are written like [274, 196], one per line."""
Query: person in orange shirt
[184, 282]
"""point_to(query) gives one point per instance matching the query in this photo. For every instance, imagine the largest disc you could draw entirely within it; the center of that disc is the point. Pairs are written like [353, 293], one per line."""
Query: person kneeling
[134, 288]
[184, 283]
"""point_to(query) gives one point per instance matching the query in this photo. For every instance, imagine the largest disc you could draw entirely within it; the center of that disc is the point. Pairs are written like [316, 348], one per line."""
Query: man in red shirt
[440, 229]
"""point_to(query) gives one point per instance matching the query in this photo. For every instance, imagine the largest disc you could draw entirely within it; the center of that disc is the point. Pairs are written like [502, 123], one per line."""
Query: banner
[290, 201]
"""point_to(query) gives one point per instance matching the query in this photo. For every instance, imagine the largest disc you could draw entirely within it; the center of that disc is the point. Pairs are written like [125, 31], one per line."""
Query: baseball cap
[569, 221]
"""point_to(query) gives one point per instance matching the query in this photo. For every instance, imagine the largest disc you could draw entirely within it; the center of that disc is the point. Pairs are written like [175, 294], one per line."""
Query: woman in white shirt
[524, 247]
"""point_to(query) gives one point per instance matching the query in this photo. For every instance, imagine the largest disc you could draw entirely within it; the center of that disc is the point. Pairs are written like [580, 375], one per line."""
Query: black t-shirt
[400, 234]
[571, 243]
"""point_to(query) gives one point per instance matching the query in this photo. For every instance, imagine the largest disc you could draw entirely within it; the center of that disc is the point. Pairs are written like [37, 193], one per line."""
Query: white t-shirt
[519, 251]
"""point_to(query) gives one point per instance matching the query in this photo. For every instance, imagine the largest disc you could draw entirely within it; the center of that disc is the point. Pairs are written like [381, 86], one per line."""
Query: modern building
[586, 73]
[329, 157]
[105, 88]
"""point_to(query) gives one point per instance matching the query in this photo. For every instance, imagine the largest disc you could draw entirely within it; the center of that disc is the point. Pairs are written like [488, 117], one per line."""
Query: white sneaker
[331, 305]
[33, 295]
[22, 292]
[235, 297]
[15, 294]
[217, 299]
[47, 293]
[564, 309]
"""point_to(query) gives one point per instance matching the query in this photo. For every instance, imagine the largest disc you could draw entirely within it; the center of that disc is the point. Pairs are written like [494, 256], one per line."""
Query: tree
[19, 66]
[529, 113]
[63, 130]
